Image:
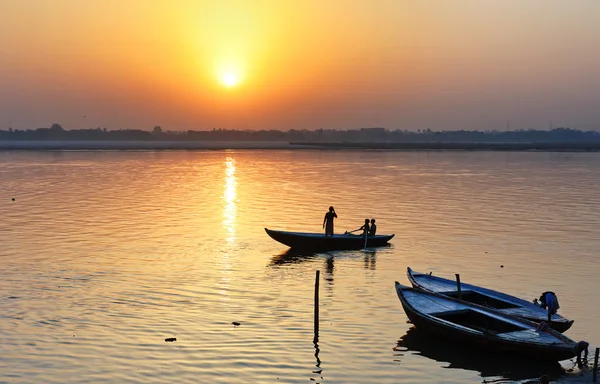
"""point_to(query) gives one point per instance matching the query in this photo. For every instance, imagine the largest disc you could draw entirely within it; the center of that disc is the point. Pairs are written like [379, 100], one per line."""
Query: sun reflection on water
[229, 196]
[229, 226]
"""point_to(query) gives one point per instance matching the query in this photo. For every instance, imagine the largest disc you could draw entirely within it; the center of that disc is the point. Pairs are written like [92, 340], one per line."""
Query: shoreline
[458, 146]
[56, 145]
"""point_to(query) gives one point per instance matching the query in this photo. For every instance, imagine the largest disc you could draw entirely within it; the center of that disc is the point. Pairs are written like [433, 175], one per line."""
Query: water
[107, 253]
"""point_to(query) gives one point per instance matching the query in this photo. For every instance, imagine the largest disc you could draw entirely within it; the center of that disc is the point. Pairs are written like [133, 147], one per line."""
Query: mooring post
[595, 372]
[458, 286]
[317, 306]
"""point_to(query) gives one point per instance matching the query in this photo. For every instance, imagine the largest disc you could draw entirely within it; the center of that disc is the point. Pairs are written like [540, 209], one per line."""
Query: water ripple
[107, 254]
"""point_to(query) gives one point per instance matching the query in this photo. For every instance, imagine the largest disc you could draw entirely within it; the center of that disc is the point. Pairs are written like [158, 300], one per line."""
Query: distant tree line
[56, 132]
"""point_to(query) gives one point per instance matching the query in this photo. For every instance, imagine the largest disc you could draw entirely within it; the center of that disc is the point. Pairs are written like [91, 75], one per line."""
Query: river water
[105, 254]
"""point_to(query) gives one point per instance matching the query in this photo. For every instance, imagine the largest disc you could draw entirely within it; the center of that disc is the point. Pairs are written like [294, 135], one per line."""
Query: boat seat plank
[436, 285]
[526, 312]
[431, 305]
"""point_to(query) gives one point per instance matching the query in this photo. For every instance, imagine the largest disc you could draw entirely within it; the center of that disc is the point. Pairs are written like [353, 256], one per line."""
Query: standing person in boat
[548, 300]
[373, 229]
[328, 221]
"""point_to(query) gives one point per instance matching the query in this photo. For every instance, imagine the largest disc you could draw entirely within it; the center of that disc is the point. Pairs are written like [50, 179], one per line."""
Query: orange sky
[400, 64]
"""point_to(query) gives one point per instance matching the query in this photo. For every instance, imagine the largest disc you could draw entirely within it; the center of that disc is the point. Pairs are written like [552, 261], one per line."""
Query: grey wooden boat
[320, 242]
[484, 328]
[508, 304]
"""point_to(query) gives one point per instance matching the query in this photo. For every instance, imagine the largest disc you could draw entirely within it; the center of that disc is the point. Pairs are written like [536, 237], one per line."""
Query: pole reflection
[370, 260]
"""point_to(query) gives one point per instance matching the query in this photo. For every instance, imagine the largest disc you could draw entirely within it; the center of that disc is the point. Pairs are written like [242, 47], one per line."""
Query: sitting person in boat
[328, 221]
[373, 229]
[365, 229]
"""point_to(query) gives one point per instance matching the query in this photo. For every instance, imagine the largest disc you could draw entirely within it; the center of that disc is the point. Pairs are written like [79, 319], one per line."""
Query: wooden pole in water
[595, 371]
[458, 286]
[317, 306]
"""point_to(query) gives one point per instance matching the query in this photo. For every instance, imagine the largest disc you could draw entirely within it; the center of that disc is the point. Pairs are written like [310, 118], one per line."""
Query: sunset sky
[283, 64]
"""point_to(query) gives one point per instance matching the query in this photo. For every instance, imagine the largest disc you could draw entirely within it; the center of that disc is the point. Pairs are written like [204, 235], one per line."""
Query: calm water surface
[105, 254]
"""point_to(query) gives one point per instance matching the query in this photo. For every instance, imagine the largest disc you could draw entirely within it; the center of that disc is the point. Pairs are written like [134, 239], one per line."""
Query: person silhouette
[548, 300]
[365, 228]
[373, 229]
[328, 221]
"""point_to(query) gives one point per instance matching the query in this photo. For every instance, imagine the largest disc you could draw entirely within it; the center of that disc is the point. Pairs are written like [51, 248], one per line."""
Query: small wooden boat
[483, 328]
[318, 241]
[508, 304]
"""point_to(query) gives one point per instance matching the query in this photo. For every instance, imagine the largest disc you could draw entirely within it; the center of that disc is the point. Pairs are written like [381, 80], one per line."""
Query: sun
[230, 79]
[230, 73]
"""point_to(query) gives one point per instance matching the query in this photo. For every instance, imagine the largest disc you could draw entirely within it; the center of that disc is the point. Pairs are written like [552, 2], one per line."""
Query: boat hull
[508, 304]
[564, 348]
[318, 241]
[488, 364]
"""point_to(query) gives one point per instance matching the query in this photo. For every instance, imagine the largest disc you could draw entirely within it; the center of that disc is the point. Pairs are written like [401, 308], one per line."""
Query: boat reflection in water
[293, 256]
[488, 364]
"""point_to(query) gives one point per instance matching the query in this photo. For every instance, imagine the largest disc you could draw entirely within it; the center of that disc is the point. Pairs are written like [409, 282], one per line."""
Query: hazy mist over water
[107, 253]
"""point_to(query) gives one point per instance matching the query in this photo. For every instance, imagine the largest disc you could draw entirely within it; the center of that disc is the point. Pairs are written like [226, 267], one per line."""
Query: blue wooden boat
[483, 328]
[318, 241]
[508, 304]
